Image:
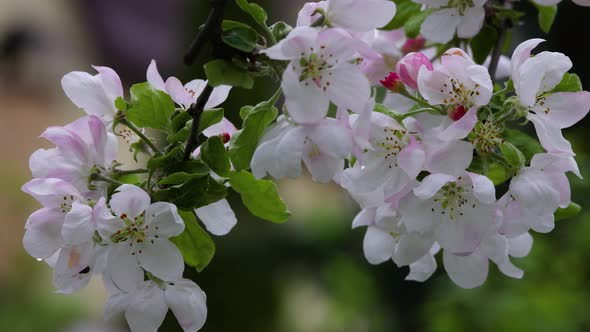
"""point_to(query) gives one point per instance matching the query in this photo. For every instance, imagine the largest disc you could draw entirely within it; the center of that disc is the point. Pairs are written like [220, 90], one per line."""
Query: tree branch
[209, 33]
[196, 110]
[497, 52]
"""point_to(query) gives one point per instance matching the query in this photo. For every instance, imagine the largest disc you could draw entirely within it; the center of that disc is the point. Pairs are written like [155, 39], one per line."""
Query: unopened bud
[393, 82]
[225, 137]
[414, 44]
[409, 66]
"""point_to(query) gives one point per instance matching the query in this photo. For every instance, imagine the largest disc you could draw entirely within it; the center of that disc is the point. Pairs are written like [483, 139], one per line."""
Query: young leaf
[414, 23]
[195, 244]
[214, 154]
[229, 24]
[512, 155]
[254, 10]
[546, 17]
[571, 211]
[261, 197]
[240, 38]
[569, 83]
[223, 72]
[209, 118]
[149, 108]
[193, 194]
[280, 30]
[483, 43]
[183, 172]
[243, 143]
[525, 143]
[405, 10]
[245, 110]
[168, 160]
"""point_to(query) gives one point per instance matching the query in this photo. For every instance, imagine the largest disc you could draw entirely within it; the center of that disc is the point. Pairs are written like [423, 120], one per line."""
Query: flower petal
[163, 220]
[218, 217]
[378, 245]
[147, 309]
[161, 258]
[43, 233]
[188, 303]
[466, 271]
[154, 78]
[130, 200]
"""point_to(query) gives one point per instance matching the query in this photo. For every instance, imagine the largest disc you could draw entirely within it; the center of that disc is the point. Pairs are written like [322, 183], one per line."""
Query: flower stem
[99, 177]
[122, 120]
[122, 172]
[273, 100]
[422, 102]
[418, 111]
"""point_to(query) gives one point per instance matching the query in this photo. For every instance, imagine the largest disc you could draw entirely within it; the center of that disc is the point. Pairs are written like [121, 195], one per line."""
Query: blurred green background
[309, 275]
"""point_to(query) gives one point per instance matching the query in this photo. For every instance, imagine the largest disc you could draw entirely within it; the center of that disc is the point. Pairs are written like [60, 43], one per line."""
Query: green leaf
[214, 154]
[245, 110]
[121, 104]
[254, 10]
[571, 211]
[525, 143]
[512, 155]
[483, 43]
[209, 118]
[223, 72]
[244, 142]
[261, 197]
[168, 160]
[195, 244]
[150, 108]
[405, 10]
[229, 24]
[280, 30]
[497, 173]
[569, 83]
[413, 24]
[240, 38]
[193, 194]
[183, 172]
[546, 16]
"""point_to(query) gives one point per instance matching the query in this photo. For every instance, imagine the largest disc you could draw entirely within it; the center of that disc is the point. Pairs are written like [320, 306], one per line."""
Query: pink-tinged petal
[480, 75]
[195, 88]
[51, 192]
[539, 74]
[520, 246]
[88, 92]
[163, 220]
[430, 84]
[349, 88]
[67, 276]
[412, 247]
[69, 143]
[409, 66]
[147, 309]
[411, 159]
[566, 108]
[495, 247]
[43, 233]
[440, 26]
[305, 102]
[422, 269]
[111, 82]
[469, 225]
[50, 163]
[460, 129]
[471, 22]
[178, 93]
[307, 16]
[466, 271]
[130, 200]
[323, 168]
[432, 184]
[79, 225]
[510, 270]
[280, 152]
[544, 224]
[448, 157]
[218, 96]
[223, 127]
[360, 15]
[122, 268]
[154, 78]
[550, 136]
[338, 43]
[585, 3]
[483, 188]
[218, 217]
[365, 217]
[161, 258]
[378, 245]
[298, 41]
[188, 302]
[106, 223]
[523, 53]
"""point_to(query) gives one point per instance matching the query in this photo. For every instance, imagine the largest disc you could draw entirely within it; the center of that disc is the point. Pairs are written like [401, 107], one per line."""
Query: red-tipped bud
[393, 83]
[409, 66]
[225, 137]
[457, 113]
[414, 44]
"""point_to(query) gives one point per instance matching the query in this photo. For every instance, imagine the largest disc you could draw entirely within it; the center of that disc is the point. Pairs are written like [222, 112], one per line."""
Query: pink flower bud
[414, 44]
[225, 137]
[457, 113]
[393, 82]
[409, 66]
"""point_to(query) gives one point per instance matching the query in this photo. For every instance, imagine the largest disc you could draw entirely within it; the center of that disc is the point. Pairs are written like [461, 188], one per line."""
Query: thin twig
[497, 52]
[196, 110]
[122, 120]
[99, 177]
[210, 30]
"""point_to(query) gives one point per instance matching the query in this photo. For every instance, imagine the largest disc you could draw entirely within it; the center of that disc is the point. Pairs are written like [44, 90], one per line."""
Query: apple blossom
[353, 15]
[409, 67]
[465, 18]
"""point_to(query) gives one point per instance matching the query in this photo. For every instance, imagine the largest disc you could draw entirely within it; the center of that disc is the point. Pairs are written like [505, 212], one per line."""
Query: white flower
[218, 217]
[138, 232]
[186, 95]
[96, 94]
[353, 15]
[322, 146]
[145, 306]
[534, 78]
[83, 147]
[461, 16]
[458, 211]
[320, 72]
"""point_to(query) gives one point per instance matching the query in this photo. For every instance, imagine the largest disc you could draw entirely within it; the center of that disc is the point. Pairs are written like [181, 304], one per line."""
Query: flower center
[316, 66]
[486, 136]
[134, 230]
[459, 94]
[391, 144]
[66, 205]
[461, 5]
[451, 200]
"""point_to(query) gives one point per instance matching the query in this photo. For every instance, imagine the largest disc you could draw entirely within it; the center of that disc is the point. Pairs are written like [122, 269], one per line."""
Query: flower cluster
[89, 227]
[419, 134]
[420, 171]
